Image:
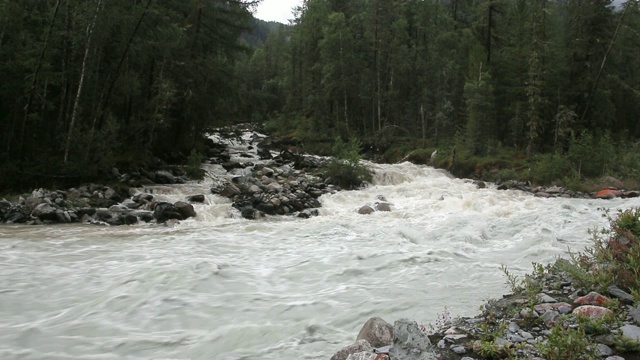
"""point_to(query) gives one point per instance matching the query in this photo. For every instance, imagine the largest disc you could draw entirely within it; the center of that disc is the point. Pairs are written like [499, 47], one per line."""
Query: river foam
[219, 286]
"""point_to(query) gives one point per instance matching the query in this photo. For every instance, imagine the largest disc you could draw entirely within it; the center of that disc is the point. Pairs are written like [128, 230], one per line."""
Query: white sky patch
[280, 10]
[276, 10]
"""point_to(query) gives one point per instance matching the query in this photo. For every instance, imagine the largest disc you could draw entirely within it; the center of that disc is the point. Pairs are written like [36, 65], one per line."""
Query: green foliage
[626, 345]
[345, 169]
[193, 167]
[592, 155]
[566, 343]
[549, 167]
[614, 257]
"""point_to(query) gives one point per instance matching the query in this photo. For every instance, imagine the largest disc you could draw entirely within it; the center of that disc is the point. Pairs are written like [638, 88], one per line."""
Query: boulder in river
[185, 209]
[366, 210]
[164, 211]
[358, 346]
[377, 332]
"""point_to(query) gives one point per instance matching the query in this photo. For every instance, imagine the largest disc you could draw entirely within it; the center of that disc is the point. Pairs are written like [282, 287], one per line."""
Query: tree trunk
[76, 102]
[32, 88]
[604, 61]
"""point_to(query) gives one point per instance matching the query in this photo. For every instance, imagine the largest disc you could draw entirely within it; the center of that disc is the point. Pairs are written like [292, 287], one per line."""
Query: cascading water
[222, 287]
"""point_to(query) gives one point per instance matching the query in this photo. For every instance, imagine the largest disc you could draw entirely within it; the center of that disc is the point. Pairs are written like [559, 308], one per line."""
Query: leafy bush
[345, 168]
[590, 155]
[550, 167]
[193, 169]
[614, 258]
[566, 343]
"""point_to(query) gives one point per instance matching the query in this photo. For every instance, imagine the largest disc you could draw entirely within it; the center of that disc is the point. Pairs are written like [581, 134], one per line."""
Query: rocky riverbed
[560, 321]
[262, 176]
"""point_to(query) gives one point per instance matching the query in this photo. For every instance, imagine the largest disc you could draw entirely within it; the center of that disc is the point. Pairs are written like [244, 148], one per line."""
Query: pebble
[513, 327]
[544, 298]
[458, 349]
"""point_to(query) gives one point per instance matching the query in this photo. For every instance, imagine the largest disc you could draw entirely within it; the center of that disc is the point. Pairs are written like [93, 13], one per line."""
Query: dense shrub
[614, 258]
[550, 167]
[345, 169]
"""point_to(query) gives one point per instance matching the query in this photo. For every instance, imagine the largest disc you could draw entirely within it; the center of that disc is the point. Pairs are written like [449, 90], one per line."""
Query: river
[222, 287]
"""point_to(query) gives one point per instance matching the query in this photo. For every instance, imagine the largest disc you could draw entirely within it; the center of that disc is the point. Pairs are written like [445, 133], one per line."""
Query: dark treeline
[529, 75]
[88, 84]
[92, 84]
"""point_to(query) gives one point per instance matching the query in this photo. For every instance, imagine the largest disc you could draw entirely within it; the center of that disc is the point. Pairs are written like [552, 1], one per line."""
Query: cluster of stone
[554, 191]
[518, 328]
[93, 204]
[275, 188]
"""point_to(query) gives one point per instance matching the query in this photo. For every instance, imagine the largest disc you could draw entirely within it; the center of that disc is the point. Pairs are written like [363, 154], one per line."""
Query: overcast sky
[276, 10]
[280, 10]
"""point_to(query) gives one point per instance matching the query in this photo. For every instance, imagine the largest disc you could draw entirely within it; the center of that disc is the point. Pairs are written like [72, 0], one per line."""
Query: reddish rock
[608, 194]
[592, 311]
[592, 298]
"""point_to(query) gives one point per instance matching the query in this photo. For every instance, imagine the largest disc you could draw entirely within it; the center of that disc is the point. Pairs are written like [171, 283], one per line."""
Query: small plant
[530, 285]
[626, 345]
[512, 280]
[194, 161]
[614, 257]
[566, 343]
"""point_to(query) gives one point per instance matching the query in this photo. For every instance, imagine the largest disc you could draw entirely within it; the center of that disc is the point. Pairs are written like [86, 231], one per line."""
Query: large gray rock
[377, 332]
[366, 210]
[164, 177]
[164, 211]
[230, 190]
[357, 347]
[185, 209]
[409, 343]
[44, 212]
[383, 206]
[635, 314]
[631, 332]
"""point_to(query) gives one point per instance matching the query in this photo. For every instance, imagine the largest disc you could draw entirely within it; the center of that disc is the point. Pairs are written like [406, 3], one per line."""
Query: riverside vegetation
[556, 312]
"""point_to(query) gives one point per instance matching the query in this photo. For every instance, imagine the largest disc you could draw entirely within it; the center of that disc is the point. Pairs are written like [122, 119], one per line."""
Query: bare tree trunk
[34, 81]
[604, 61]
[424, 126]
[117, 71]
[74, 112]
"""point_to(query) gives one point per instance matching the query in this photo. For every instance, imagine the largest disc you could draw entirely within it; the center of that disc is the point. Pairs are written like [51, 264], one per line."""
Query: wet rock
[607, 194]
[185, 209]
[45, 212]
[409, 343]
[251, 213]
[164, 211]
[357, 347]
[480, 184]
[164, 177]
[230, 190]
[383, 206]
[196, 198]
[377, 332]
[307, 213]
[366, 210]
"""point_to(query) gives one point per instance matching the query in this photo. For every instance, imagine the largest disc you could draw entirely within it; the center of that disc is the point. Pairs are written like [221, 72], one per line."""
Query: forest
[555, 84]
